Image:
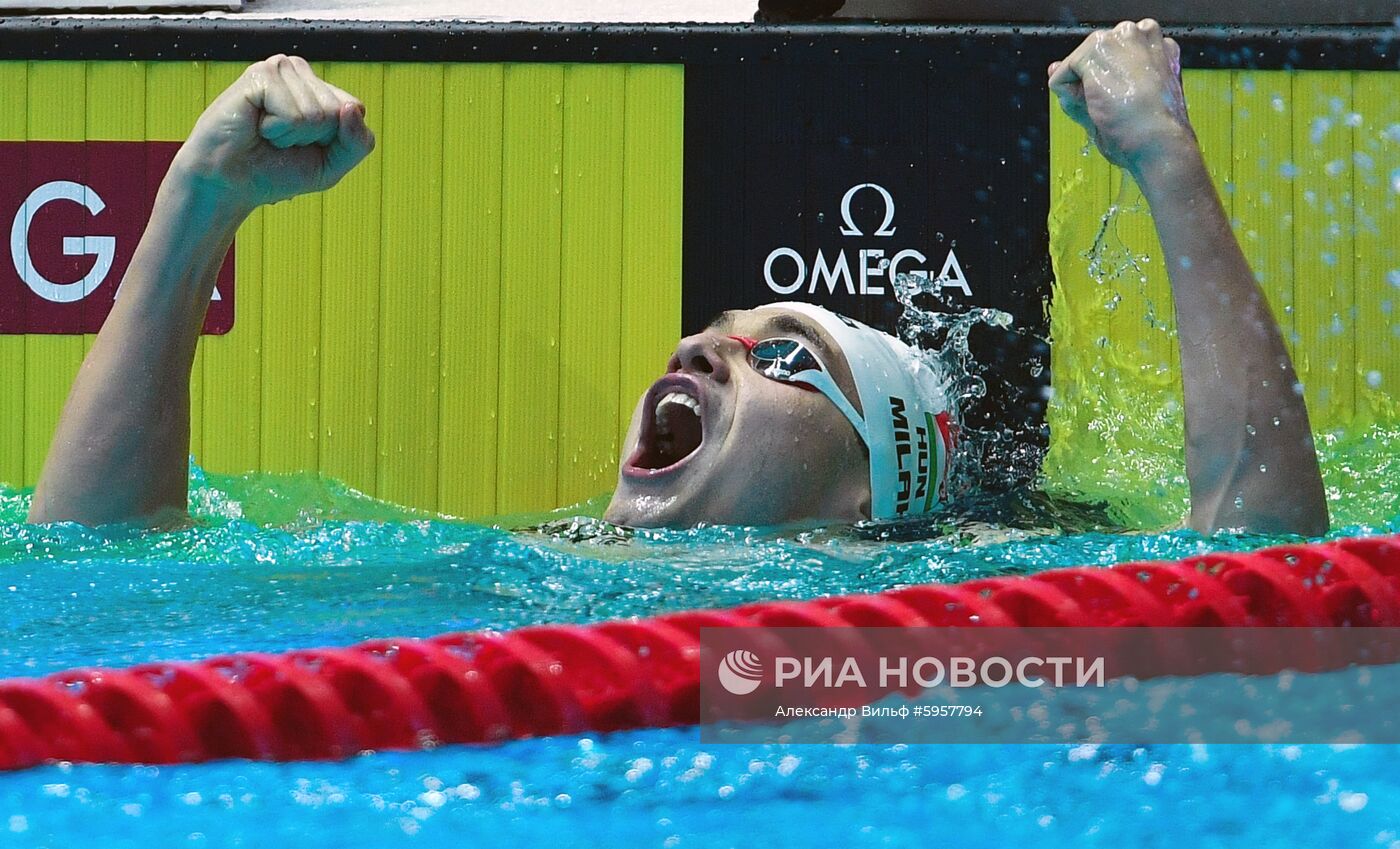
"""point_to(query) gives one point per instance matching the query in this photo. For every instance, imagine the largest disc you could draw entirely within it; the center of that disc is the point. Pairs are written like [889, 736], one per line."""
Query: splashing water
[998, 457]
[1112, 260]
[952, 356]
[1117, 415]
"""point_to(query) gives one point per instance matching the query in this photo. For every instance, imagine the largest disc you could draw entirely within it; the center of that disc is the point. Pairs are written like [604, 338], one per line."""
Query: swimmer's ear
[855, 501]
[847, 499]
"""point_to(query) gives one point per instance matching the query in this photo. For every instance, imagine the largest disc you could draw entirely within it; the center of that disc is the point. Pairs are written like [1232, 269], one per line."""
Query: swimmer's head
[784, 413]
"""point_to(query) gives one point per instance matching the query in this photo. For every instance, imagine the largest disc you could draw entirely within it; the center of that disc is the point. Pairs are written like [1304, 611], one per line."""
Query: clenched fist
[277, 132]
[1123, 85]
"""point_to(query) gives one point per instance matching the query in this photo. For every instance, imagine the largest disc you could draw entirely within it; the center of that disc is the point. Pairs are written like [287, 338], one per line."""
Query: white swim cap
[906, 424]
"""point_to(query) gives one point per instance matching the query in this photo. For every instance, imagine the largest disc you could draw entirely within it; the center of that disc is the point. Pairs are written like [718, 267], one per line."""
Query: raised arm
[120, 453]
[1250, 458]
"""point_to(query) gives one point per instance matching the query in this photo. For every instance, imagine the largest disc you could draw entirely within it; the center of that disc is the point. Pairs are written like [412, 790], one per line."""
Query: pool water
[276, 562]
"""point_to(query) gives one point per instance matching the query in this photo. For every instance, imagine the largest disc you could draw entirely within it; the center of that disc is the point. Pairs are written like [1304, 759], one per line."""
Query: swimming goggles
[792, 361]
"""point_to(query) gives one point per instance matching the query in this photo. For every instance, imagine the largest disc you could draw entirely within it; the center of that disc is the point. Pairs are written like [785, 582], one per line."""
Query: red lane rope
[560, 679]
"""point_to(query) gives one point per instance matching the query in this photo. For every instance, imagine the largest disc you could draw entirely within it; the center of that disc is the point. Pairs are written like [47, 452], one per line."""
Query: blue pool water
[282, 562]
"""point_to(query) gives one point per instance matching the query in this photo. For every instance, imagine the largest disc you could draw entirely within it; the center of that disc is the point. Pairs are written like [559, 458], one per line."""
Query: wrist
[203, 194]
[1165, 156]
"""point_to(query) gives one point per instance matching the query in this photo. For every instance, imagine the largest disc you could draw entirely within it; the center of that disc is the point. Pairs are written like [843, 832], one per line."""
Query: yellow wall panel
[51, 362]
[352, 254]
[14, 80]
[591, 290]
[116, 101]
[1262, 174]
[1212, 99]
[1323, 244]
[473, 98]
[410, 288]
[651, 228]
[532, 161]
[1376, 100]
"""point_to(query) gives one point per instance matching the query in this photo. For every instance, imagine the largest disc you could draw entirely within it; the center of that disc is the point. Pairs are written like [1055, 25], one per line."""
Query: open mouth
[672, 429]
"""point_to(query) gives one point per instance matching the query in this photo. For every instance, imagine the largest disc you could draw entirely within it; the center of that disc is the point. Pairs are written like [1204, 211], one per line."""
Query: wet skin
[764, 452]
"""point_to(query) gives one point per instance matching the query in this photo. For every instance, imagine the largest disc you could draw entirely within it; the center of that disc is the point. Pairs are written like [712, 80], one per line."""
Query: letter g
[104, 248]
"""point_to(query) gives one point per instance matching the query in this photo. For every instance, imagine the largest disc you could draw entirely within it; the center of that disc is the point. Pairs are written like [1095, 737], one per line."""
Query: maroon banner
[74, 212]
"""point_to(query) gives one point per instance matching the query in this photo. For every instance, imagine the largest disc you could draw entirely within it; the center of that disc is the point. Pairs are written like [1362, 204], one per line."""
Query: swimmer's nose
[705, 353]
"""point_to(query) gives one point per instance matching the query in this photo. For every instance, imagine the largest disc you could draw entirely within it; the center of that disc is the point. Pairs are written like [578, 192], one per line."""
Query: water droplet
[1249, 429]
[1321, 126]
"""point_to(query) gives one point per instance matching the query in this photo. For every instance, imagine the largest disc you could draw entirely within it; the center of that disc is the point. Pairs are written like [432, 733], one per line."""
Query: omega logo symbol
[786, 271]
[849, 228]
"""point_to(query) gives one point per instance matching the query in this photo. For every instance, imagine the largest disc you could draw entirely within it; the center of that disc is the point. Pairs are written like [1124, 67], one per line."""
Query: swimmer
[778, 414]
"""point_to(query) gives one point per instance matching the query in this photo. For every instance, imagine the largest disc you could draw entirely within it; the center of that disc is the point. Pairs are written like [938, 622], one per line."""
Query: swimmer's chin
[637, 510]
[644, 510]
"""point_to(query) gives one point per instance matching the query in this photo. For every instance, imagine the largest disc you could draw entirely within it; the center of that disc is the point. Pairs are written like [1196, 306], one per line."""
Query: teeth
[680, 398]
[667, 400]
